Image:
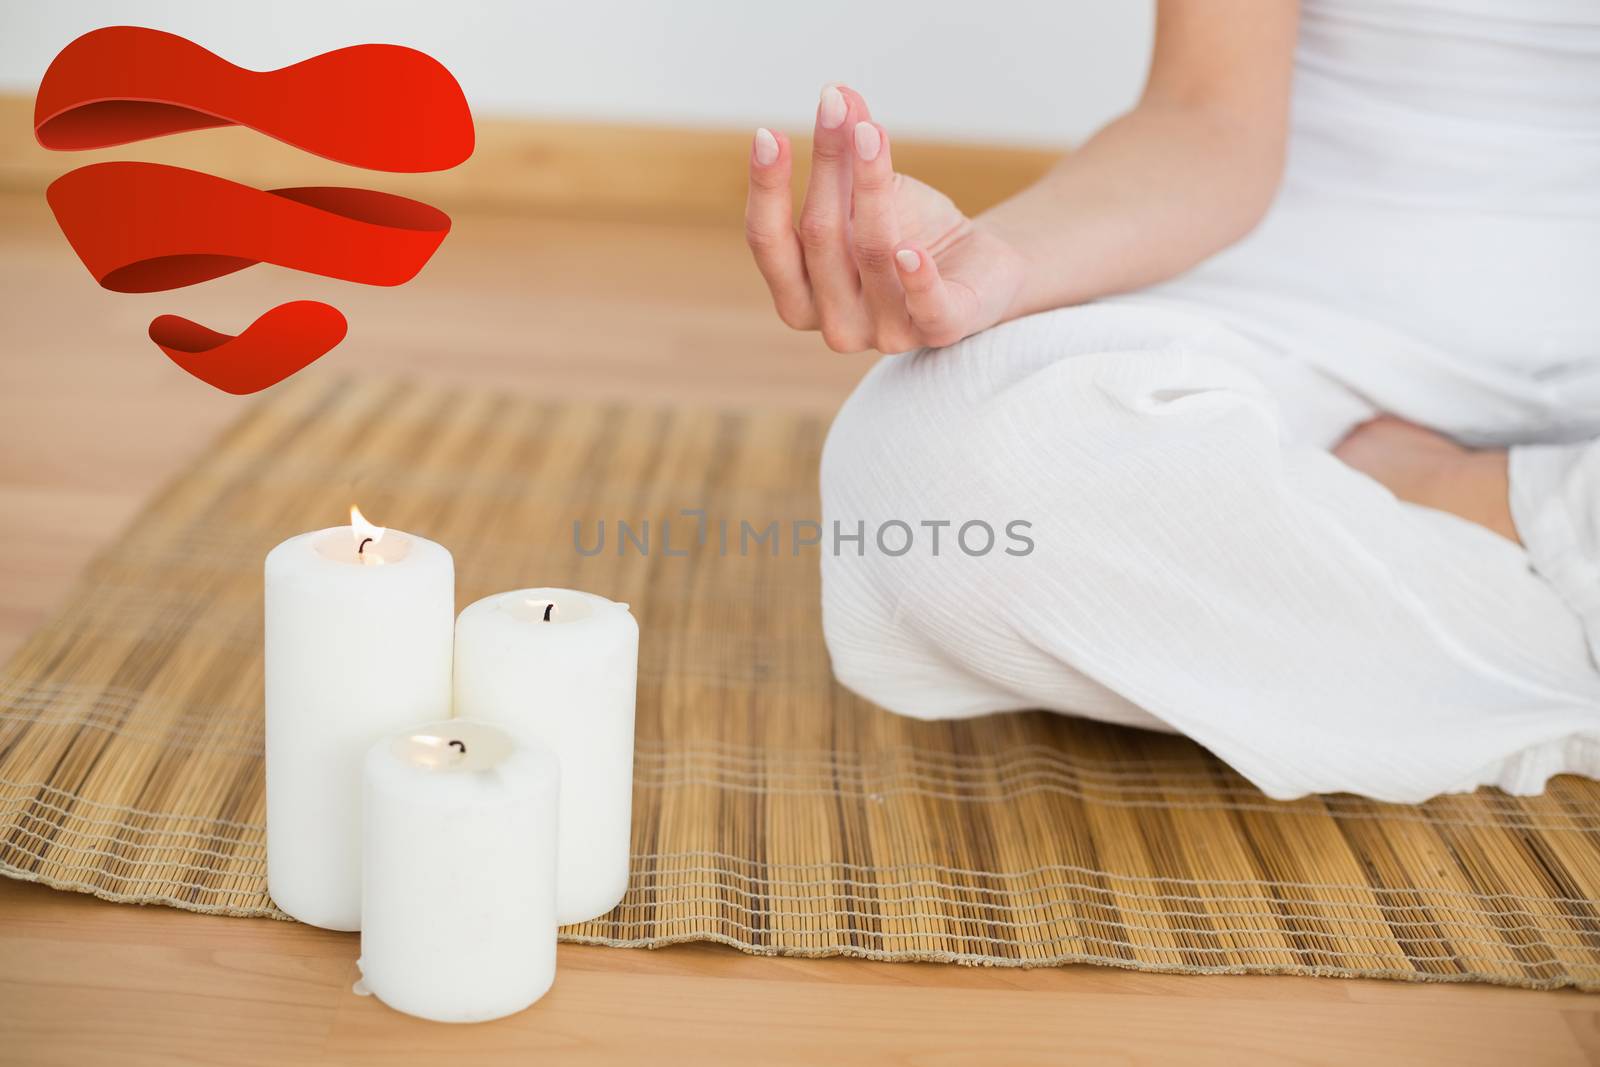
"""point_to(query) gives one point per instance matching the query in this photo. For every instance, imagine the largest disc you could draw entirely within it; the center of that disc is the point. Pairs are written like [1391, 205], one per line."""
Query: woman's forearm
[1183, 175]
[1145, 199]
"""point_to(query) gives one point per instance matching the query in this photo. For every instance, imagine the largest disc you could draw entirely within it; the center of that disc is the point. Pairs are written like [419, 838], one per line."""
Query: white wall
[1043, 71]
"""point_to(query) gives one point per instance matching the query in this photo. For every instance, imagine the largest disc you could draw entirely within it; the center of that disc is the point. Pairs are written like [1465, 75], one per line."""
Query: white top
[1436, 241]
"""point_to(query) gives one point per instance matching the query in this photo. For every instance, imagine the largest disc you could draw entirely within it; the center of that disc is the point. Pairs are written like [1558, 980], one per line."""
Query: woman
[1302, 445]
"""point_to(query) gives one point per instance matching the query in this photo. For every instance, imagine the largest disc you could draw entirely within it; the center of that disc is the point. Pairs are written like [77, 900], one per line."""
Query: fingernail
[766, 147]
[868, 141]
[832, 109]
[909, 260]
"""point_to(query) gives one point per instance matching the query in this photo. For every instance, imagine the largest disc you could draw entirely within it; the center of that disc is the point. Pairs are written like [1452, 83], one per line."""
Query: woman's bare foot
[1423, 467]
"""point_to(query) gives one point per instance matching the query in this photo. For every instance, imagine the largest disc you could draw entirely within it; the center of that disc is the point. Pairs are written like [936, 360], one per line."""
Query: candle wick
[460, 746]
[548, 608]
[362, 546]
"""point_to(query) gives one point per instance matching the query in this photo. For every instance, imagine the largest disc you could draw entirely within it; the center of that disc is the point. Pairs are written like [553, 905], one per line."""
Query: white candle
[358, 644]
[560, 667]
[458, 912]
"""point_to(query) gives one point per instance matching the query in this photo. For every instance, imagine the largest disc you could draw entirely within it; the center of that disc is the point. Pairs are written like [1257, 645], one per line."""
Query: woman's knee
[951, 475]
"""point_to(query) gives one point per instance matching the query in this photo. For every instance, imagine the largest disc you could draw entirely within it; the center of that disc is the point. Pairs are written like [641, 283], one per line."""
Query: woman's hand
[877, 260]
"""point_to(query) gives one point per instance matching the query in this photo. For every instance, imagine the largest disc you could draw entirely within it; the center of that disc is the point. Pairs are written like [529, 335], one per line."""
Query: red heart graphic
[143, 227]
[284, 340]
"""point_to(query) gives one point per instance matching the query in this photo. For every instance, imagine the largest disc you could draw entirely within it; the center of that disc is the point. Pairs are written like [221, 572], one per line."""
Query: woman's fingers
[769, 230]
[939, 312]
[842, 269]
[825, 220]
[874, 232]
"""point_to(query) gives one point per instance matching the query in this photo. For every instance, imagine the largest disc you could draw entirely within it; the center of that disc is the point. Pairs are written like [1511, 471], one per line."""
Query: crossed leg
[1195, 565]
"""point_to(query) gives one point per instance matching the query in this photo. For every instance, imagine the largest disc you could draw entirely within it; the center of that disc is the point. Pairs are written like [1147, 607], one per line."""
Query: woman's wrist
[1029, 291]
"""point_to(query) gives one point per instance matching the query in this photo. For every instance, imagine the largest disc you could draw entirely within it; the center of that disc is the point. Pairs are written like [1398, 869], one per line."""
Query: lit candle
[560, 667]
[358, 643]
[458, 913]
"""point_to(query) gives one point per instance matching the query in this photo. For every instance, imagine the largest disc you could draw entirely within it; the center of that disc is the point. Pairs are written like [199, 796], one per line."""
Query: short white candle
[561, 667]
[458, 911]
[358, 643]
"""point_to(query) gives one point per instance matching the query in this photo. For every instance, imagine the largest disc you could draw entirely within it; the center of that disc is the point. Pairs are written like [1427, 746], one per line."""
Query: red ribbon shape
[377, 106]
[282, 341]
[142, 227]
[147, 227]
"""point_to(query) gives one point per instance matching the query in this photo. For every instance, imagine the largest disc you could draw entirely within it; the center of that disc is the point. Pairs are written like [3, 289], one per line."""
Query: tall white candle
[560, 667]
[358, 645]
[458, 914]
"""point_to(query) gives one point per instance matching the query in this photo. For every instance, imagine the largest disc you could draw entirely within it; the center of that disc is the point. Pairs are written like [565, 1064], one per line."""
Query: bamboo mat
[773, 811]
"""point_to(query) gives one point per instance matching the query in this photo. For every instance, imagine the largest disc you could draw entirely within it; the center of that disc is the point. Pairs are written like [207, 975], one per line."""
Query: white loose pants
[1196, 560]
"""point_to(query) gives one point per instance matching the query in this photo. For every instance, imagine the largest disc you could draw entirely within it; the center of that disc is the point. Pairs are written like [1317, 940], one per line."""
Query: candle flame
[361, 528]
[437, 751]
[365, 535]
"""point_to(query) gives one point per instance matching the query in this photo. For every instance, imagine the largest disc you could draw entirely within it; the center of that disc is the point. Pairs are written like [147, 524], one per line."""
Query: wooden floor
[93, 418]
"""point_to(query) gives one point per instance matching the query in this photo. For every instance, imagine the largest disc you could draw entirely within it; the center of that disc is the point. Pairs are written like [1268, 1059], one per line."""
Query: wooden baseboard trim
[585, 170]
